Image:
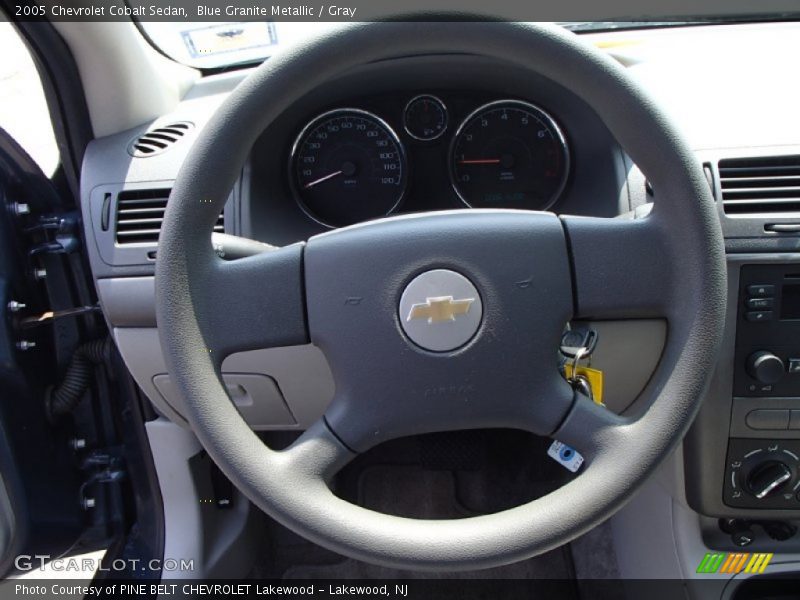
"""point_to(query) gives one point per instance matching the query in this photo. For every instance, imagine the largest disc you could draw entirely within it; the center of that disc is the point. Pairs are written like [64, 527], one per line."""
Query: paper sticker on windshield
[231, 37]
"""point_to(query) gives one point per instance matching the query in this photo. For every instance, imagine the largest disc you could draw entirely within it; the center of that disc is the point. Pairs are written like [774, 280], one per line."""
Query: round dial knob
[768, 478]
[765, 367]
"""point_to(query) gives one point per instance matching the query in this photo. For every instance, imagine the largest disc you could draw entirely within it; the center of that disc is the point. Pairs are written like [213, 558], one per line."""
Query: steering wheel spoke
[253, 302]
[622, 268]
[317, 454]
[590, 428]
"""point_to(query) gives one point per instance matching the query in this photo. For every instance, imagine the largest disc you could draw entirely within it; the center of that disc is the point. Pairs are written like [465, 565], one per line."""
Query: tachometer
[348, 165]
[509, 154]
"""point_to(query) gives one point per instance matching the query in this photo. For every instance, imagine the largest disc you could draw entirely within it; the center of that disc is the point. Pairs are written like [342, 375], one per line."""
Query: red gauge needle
[480, 161]
[321, 179]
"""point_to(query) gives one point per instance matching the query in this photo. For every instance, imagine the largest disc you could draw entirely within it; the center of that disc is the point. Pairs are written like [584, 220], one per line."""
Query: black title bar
[410, 10]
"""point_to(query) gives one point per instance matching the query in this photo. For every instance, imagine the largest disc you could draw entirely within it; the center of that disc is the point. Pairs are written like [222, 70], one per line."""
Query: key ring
[575, 360]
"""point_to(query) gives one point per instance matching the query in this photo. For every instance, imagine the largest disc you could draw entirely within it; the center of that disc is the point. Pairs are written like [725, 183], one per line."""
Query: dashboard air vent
[158, 140]
[766, 185]
[140, 214]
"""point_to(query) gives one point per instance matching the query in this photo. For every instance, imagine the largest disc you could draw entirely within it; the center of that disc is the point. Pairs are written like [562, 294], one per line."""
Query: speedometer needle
[321, 179]
[480, 161]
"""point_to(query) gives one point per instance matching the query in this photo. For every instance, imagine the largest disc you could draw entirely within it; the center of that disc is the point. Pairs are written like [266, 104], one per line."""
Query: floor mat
[451, 477]
[424, 494]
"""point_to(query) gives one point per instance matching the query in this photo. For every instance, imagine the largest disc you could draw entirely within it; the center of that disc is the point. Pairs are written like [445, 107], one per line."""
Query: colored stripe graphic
[758, 563]
[710, 563]
[730, 563]
[734, 562]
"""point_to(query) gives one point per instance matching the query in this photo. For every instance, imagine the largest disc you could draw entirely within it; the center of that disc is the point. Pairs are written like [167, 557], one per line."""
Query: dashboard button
[760, 290]
[758, 315]
[760, 303]
[768, 419]
[794, 420]
[794, 365]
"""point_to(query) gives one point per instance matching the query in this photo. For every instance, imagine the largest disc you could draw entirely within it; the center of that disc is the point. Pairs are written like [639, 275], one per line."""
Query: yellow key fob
[593, 376]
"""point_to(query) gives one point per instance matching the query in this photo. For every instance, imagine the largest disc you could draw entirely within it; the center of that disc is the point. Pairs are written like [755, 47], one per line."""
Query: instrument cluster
[350, 164]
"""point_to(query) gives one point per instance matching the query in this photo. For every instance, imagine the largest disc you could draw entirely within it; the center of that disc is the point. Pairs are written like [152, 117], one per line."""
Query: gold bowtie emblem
[439, 309]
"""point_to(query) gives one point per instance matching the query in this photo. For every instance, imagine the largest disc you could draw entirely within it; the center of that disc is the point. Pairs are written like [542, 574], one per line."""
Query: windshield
[209, 45]
[214, 45]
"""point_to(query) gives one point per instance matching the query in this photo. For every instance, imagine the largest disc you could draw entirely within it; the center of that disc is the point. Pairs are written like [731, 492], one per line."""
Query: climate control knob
[765, 367]
[768, 478]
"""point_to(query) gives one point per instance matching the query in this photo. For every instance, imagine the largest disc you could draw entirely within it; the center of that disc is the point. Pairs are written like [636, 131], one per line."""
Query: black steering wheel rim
[670, 264]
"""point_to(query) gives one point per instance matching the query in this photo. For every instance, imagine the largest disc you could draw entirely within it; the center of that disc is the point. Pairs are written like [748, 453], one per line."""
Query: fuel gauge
[425, 118]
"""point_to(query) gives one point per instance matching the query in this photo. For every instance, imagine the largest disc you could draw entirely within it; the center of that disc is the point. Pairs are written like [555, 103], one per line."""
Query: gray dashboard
[288, 388]
[263, 205]
[688, 71]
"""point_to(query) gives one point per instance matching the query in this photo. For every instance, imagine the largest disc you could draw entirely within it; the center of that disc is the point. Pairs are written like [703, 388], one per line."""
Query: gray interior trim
[301, 373]
[256, 396]
[128, 301]
[220, 543]
[627, 353]
[750, 227]
[647, 517]
[113, 254]
[125, 80]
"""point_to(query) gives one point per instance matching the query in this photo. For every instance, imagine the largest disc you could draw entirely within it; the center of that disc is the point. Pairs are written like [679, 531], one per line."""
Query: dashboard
[409, 135]
[443, 132]
[427, 133]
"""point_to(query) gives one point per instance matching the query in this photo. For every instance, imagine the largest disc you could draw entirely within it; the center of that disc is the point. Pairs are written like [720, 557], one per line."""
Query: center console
[742, 455]
[763, 458]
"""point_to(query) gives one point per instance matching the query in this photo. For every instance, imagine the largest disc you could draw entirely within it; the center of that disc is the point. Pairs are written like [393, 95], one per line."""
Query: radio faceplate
[767, 361]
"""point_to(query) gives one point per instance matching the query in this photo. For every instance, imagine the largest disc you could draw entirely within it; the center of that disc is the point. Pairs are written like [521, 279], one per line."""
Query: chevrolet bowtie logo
[440, 309]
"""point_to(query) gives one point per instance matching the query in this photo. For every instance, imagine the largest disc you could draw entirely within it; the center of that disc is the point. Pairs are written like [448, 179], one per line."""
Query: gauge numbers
[348, 166]
[509, 154]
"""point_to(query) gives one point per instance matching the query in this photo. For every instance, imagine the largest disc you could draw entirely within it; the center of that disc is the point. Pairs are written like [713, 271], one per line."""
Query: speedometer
[509, 154]
[347, 166]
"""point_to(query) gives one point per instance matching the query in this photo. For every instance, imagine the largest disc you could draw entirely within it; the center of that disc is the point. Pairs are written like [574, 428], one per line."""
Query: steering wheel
[382, 299]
